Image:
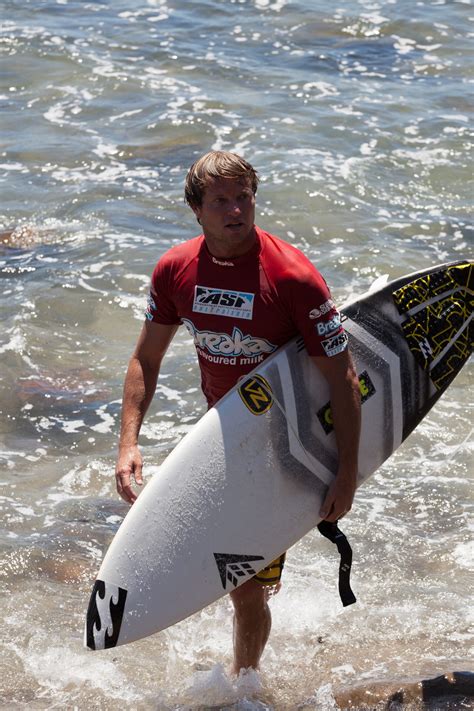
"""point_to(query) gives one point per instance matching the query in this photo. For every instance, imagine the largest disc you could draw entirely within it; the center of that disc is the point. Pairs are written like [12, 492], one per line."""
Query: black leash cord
[335, 535]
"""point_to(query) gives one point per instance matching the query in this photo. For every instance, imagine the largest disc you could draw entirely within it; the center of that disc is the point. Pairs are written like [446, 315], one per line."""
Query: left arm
[343, 383]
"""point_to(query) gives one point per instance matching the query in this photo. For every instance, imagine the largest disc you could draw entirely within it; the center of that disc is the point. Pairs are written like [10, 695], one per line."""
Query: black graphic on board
[104, 615]
[437, 310]
[233, 568]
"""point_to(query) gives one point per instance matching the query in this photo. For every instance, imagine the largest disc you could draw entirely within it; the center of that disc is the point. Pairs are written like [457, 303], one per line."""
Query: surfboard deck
[247, 482]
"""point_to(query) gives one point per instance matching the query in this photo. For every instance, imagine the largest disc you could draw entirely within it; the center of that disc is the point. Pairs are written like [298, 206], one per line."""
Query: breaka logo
[224, 344]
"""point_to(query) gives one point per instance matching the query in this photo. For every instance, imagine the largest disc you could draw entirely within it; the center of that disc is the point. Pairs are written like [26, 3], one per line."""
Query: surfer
[241, 293]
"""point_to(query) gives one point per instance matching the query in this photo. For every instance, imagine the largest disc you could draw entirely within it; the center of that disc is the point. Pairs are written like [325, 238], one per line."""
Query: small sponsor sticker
[336, 344]
[325, 308]
[367, 389]
[222, 263]
[326, 328]
[151, 307]
[222, 302]
[256, 394]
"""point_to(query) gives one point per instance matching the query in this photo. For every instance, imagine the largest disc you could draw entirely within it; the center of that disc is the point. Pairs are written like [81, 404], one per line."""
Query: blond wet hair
[213, 166]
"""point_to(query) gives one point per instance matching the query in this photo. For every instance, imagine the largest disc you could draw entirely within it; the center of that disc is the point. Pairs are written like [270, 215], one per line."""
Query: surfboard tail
[104, 615]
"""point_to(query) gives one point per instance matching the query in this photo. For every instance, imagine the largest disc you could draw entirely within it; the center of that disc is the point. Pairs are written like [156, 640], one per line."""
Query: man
[240, 292]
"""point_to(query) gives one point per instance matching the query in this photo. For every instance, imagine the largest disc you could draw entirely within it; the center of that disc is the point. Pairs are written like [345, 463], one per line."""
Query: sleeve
[316, 316]
[161, 307]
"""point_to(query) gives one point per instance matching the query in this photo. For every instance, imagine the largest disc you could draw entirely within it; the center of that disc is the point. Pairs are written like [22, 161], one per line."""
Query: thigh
[271, 575]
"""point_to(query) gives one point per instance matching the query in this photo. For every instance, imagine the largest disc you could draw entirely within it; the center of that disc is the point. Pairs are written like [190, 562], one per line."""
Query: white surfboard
[247, 482]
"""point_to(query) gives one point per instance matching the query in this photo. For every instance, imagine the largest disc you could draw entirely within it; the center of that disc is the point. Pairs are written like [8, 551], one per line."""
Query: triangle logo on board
[233, 568]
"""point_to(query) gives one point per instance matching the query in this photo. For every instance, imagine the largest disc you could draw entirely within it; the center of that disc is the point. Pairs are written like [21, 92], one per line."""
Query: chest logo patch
[222, 302]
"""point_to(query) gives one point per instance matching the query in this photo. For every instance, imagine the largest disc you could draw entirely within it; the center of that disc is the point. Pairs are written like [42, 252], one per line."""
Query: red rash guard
[241, 310]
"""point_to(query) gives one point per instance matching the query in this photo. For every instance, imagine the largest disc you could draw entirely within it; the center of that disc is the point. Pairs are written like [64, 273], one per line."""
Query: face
[227, 216]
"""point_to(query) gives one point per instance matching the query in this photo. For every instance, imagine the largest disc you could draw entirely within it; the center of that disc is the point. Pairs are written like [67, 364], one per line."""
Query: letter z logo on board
[256, 394]
[222, 302]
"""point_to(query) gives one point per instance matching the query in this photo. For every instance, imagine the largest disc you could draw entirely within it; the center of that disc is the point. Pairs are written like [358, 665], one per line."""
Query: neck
[230, 249]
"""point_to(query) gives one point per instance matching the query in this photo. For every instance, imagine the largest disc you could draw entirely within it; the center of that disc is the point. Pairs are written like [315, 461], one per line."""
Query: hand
[339, 498]
[129, 464]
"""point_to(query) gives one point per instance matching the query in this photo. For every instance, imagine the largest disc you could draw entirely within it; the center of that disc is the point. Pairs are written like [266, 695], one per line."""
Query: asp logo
[256, 394]
[336, 344]
[221, 302]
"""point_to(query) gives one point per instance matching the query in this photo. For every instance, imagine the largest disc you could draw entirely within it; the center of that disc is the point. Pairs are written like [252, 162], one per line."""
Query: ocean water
[357, 117]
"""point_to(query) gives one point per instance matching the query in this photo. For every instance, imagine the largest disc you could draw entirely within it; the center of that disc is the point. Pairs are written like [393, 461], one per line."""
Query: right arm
[139, 388]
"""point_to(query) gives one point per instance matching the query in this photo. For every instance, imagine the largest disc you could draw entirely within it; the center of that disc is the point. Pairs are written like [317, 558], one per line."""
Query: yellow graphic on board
[367, 389]
[438, 325]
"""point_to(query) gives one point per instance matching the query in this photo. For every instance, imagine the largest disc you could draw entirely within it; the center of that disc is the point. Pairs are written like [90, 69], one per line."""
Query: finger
[326, 511]
[138, 473]
[336, 514]
[128, 494]
[124, 487]
[327, 506]
[120, 480]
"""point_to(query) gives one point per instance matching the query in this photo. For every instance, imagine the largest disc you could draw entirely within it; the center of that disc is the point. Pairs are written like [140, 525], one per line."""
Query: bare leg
[252, 623]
